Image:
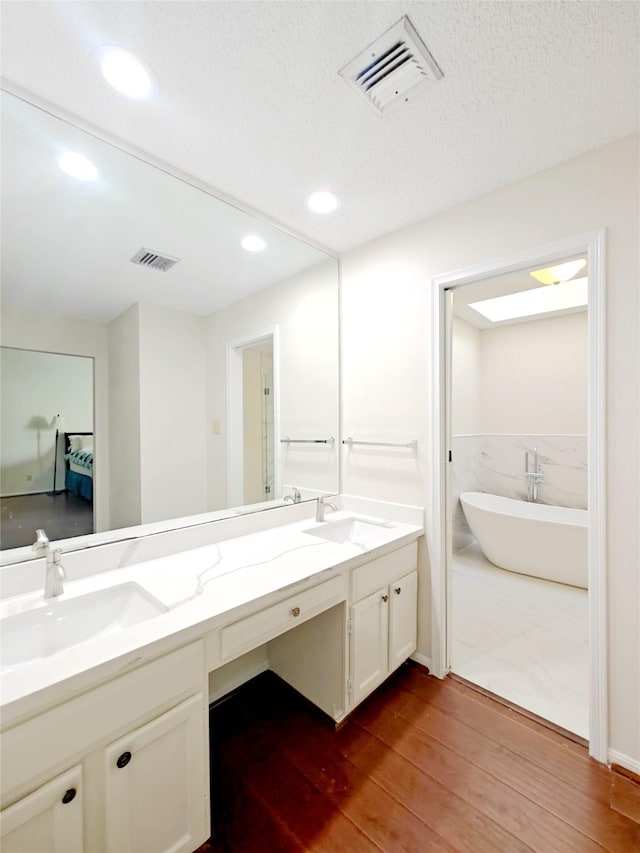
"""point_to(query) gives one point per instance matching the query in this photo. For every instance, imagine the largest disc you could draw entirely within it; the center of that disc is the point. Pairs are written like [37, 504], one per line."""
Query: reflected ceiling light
[540, 300]
[253, 243]
[323, 201]
[77, 166]
[561, 272]
[125, 72]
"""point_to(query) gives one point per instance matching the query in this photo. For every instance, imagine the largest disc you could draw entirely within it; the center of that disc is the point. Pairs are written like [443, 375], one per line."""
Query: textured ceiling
[250, 100]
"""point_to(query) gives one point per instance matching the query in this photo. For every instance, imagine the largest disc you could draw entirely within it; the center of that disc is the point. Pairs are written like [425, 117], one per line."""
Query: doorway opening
[253, 469]
[47, 472]
[502, 456]
[517, 491]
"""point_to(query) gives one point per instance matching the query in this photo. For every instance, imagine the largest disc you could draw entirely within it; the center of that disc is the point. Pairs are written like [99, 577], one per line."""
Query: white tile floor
[522, 638]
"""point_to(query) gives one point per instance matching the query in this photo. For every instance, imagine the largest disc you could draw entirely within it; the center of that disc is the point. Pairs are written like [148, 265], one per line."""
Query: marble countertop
[202, 589]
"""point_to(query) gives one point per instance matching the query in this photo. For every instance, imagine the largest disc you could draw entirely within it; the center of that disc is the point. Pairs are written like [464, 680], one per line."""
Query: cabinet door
[48, 819]
[369, 643]
[403, 619]
[157, 785]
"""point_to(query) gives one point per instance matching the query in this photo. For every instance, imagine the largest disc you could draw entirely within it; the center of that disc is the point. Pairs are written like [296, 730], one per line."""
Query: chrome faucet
[322, 505]
[295, 498]
[55, 573]
[533, 475]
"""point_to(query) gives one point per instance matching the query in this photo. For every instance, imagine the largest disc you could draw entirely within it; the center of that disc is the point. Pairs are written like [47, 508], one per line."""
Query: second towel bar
[413, 444]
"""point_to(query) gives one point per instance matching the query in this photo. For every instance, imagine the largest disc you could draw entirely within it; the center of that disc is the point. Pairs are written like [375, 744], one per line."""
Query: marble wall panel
[497, 463]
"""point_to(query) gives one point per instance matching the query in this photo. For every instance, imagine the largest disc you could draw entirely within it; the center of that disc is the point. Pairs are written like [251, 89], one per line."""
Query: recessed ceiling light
[540, 300]
[323, 201]
[126, 72]
[77, 166]
[561, 272]
[253, 243]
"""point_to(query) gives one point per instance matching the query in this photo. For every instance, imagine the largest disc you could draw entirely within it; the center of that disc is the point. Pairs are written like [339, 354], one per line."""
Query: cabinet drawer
[371, 576]
[82, 722]
[246, 634]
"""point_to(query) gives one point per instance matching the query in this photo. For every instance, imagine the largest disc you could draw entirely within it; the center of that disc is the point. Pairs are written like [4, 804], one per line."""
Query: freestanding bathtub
[548, 542]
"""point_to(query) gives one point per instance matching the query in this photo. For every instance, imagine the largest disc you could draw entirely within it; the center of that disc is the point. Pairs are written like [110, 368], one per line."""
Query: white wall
[535, 377]
[124, 419]
[35, 387]
[386, 358]
[521, 379]
[466, 378]
[304, 310]
[157, 415]
[172, 413]
[49, 333]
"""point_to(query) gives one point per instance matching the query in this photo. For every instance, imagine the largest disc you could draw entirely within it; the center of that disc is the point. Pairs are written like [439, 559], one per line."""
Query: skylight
[540, 300]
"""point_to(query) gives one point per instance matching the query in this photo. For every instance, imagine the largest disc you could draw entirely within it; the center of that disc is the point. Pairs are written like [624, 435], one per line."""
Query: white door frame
[593, 244]
[235, 440]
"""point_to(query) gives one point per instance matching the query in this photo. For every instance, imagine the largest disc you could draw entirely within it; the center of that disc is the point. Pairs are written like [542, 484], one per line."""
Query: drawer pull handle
[295, 611]
[123, 759]
[385, 598]
[69, 795]
[398, 590]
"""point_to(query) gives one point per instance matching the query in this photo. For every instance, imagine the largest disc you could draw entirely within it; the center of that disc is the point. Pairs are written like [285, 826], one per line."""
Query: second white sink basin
[59, 624]
[354, 531]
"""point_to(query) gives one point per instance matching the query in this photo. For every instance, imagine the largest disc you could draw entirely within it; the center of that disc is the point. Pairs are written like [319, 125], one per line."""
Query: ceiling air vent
[391, 66]
[153, 260]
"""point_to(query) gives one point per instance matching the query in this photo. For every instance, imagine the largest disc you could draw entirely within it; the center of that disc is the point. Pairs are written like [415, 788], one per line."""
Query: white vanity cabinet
[383, 619]
[138, 745]
[153, 784]
[50, 818]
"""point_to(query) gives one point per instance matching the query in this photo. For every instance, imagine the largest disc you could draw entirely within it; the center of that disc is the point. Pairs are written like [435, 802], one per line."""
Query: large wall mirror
[213, 368]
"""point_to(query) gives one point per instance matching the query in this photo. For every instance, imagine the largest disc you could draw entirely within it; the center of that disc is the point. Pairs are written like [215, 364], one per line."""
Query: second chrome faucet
[55, 574]
[322, 506]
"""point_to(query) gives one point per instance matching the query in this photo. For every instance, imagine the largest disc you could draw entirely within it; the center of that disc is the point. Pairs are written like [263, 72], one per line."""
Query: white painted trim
[422, 659]
[625, 761]
[593, 243]
[277, 451]
[437, 532]
[235, 463]
[596, 497]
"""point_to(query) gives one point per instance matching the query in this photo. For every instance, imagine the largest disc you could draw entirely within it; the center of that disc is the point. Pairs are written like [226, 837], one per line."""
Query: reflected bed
[78, 458]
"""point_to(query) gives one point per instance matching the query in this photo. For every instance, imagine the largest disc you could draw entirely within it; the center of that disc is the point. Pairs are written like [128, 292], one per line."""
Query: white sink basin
[354, 531]
[59, 624]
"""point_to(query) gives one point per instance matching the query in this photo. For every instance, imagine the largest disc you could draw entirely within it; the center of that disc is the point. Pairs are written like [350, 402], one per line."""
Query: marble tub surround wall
[496, 464]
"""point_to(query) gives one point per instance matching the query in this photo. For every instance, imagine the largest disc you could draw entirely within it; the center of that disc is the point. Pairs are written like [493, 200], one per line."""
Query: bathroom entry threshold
[518, 709]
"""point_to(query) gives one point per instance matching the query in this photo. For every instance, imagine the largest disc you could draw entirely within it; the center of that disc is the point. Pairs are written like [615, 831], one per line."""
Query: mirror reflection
[210, 338]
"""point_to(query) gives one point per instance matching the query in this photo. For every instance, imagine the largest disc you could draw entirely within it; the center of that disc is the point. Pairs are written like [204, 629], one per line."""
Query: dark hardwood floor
[62, 515]
[422, 765]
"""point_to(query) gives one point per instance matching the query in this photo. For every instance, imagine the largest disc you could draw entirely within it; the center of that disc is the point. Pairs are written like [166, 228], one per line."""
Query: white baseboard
[625, 761]
[425, 661]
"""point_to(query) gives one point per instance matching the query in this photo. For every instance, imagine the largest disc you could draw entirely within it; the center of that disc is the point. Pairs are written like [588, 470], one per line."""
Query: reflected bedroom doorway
[46, 438]
[517, 424]
[253, 451]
